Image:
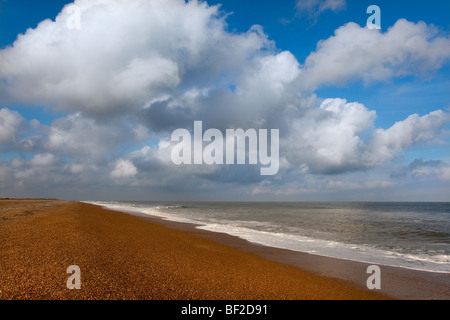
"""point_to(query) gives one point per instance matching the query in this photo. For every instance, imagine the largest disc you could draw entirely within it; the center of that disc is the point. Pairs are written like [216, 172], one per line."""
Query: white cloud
[123, 56]
[329, 138]
[141, 76]
[272, 73]
[384, 144]
[43, 160]
[124, 169]
[266, 87]
[10, 122]
[75, 168]
[355, 52]
[85, 138]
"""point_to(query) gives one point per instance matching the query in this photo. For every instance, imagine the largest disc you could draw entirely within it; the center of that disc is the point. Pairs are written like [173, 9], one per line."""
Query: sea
[410, 235]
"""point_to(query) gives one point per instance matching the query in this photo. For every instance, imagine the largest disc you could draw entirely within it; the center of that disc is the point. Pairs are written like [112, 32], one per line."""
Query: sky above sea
[91, 91]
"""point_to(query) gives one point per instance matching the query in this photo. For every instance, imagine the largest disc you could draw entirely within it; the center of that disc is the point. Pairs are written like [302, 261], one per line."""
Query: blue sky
[104, 103]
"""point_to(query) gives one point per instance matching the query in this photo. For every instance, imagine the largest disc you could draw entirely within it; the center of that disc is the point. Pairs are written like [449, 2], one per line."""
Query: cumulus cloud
[355, 52]
[10, 123]
[85, 138]
[263, 89]
[42, 160]
[114, 65]
[384, 144]
[331, 138]
[124, 169]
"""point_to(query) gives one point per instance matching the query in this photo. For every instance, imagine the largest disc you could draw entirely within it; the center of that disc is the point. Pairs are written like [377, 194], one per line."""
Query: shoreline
[378, 253]
[129, 256]
[397, 282]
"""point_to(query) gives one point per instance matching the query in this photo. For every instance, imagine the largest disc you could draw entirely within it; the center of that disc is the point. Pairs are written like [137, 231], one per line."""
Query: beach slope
[125, 257]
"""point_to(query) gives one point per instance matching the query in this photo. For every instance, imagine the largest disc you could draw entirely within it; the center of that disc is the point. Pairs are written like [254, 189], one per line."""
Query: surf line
[231, 151]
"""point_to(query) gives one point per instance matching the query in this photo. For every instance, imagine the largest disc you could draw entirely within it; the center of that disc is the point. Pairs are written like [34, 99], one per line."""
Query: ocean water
[409, 235]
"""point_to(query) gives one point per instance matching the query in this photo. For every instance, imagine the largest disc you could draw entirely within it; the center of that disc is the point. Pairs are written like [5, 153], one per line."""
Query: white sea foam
[334, 249]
